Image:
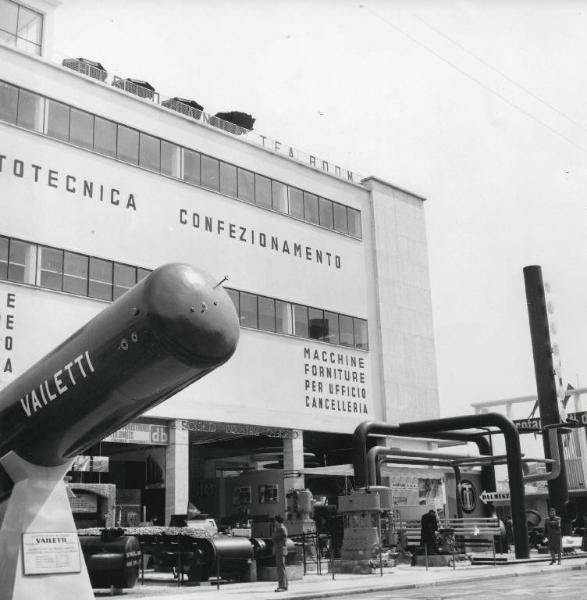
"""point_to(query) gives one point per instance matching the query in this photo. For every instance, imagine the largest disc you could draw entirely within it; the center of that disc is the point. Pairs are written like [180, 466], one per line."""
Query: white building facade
[328, 272]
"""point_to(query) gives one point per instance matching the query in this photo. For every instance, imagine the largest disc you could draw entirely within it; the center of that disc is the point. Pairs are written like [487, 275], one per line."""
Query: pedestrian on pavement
[279, 537]
[552, 531]
[428, 529]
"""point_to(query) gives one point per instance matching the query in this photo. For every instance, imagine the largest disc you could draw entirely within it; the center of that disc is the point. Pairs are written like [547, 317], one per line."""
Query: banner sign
[534, 425]
[141, 433]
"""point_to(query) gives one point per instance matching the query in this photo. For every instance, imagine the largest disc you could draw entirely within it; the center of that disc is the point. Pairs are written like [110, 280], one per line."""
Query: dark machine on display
[171, 329]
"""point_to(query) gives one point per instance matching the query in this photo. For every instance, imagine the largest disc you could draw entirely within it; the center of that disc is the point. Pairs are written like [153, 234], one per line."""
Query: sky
[478, 106]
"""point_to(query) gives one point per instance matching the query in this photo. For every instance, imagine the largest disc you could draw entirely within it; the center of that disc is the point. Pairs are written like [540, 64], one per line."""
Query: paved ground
[401, 577]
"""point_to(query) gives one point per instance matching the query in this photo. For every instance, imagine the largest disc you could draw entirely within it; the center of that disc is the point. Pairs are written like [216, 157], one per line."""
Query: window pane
[326, 216]
[81, 129]
[228, 179]
[8, 15]
[316, 322]
[124, 278]
[8, 102]
[3, 258]
[354, 217]
[210, 177]
[279, 191]
[266, 314]
[300, 321]
[75, 274]
[283, 316]
[311, 208]
[27, 46]
[30, 110]
[234, 297]
[191, 166]
[246, 186]
[169, 159]
[128, 144]
[263, 191]
[141, 274]
[340, 218]
[51, 268]
[361, 338]
[296, 203]
[58, 120]
[20, 256]
[29, 25]
[105, 136]
[150, 152]
[346, 331]
[248, 310]
[331, 333]
[100, 279]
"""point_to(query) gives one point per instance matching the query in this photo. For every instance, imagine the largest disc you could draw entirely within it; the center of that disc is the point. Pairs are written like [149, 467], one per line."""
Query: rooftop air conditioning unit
[86, 67]
[142, 89]
[191, 108]
[234, 122]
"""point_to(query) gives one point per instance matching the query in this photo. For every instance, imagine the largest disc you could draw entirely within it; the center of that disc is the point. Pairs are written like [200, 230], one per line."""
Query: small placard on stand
[50, 553]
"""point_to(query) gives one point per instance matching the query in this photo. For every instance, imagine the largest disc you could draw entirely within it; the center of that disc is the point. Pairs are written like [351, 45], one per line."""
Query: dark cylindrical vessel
[169, 330]
[112, 562]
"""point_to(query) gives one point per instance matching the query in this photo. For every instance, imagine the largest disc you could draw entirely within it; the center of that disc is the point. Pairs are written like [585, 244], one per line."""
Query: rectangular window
[57, 120]
[248, 310]
[317, 327]
[105, 136]
[283, 317]
[246, 186]
[8, 102]
[326, 213]
[142, 273]
[75, 273]
[311, 208]
[228, 179]
[31, 108]
[3, 258]
[340, 218]
[354, 218]
[191, 166]
[125, 277]
[29, 30]
[170, 159]
[210, 173]
[263, 191]
[361, 337]
[8, 16]
[81, 128]
[51, 271]
[235, 300]
[346, 331]
[300, 320]
[100, 285]
[149, 152]
[279, 196]
[19, 256]
[296, 203]
[266, 314]
[127, 147]
[331, 332]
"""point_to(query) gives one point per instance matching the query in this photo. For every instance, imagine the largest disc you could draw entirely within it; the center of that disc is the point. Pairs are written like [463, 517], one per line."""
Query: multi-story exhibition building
[103, 178]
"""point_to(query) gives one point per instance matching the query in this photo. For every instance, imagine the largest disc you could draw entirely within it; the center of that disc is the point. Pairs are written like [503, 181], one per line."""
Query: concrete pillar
[293, 462]
[177, 465]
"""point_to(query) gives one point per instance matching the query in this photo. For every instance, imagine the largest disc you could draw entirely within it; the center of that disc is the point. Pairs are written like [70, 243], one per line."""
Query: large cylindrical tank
[112, 562]
[169, 330]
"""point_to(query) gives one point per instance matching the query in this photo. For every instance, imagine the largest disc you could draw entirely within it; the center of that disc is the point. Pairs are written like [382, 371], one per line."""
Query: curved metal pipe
[512, 442]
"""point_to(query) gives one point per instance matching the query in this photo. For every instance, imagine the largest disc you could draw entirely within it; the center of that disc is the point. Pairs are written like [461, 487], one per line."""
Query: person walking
[279, 538]
[552, 532]
[428, 529]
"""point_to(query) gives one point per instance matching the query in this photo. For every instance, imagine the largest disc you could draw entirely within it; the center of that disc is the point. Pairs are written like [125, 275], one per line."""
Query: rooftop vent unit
[86, 67]
[234, 122]
[142, 89]
[187, 107]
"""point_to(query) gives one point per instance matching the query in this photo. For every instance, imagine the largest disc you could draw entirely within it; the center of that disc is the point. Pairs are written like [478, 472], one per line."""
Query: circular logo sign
[468, 496]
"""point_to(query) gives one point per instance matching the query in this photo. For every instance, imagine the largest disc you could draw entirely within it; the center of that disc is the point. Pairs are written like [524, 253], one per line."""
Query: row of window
[69, 124]
[20, 27]
[64, 271]
[270, 314]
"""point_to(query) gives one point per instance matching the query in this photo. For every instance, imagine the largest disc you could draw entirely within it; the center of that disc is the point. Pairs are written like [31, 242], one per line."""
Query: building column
[177, 463]
[293, 463]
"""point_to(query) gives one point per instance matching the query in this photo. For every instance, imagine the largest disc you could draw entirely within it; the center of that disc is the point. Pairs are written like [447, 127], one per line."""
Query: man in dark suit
[279, 537]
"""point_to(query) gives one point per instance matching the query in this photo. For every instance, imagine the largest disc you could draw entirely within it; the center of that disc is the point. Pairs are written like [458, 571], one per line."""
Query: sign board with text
[49, 553]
